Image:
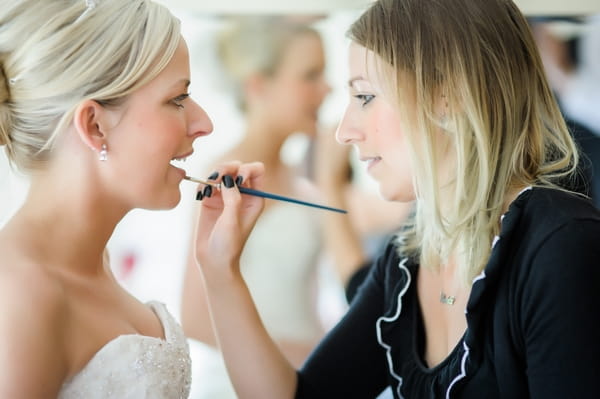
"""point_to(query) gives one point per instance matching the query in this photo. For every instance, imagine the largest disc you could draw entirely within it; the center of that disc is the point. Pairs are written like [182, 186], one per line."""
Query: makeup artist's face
[298, 88]
[157, 124]
[372, 123]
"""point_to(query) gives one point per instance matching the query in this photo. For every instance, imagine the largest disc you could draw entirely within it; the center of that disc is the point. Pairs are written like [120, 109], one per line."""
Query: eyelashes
[177, 101]
[364, 98]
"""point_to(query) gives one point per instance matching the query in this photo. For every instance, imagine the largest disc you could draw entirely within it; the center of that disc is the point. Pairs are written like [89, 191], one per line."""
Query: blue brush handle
[263, 194]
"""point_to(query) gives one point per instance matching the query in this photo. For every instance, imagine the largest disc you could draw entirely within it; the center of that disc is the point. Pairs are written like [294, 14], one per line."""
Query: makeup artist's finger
[227, 168]
[230, 194]
[252, 205]
[252, 174]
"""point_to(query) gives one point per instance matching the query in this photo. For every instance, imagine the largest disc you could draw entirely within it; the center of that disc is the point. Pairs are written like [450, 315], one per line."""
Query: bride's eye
[177, 101]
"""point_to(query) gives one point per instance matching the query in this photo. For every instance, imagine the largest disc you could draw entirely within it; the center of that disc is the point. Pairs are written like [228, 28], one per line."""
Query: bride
[94, 106]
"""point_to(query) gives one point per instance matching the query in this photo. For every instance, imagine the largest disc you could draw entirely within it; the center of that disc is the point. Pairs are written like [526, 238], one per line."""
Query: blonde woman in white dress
[94, 106]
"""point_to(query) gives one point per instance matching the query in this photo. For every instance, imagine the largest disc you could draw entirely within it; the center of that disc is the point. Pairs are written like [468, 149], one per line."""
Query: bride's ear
[90, 121]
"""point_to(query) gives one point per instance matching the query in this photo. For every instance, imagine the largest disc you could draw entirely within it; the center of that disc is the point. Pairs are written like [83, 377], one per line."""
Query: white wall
[538, 7]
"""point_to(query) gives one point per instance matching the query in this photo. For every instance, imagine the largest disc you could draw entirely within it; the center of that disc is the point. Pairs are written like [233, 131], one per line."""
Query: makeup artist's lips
[371, 161]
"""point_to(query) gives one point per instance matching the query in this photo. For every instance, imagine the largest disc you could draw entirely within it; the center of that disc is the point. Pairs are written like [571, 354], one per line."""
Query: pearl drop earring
[103, 155]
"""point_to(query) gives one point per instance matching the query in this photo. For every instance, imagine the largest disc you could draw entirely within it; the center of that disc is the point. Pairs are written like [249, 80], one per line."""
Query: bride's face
[156, 125]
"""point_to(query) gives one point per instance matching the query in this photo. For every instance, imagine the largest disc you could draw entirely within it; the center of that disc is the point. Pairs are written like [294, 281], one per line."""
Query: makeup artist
[94, 106]
[489, 290]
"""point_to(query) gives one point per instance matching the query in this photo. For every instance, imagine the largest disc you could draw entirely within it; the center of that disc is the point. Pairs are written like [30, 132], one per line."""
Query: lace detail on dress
[135, 366]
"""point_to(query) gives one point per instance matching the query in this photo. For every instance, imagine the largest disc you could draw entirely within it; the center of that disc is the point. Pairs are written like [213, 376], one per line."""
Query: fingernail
[207, 191]
[239, 180]
[199, 196]
[228, 181]
[213, 176]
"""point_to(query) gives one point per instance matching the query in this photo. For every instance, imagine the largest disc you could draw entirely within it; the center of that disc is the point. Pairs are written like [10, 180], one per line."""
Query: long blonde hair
[56, 53]
[503, 122]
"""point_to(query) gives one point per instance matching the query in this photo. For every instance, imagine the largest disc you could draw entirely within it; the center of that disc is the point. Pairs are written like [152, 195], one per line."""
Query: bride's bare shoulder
[32, 318]
[28, 291]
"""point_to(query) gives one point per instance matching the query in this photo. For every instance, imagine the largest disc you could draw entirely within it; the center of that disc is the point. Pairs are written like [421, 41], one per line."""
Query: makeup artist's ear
[90, 124]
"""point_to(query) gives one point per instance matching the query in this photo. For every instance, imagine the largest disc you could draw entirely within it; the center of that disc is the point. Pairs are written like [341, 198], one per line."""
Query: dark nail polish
[228, 181]
[239, 180]
[199, 196]
[207, 191]
[213, 176]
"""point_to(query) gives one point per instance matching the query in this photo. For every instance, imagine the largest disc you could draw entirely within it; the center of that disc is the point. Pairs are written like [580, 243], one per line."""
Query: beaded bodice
[136, 366]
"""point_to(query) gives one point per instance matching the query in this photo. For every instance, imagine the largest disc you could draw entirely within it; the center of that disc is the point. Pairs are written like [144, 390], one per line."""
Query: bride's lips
[181, 158]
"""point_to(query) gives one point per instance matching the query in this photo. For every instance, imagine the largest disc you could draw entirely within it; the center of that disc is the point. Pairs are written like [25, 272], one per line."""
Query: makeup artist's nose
[348, 130]
[199, 121]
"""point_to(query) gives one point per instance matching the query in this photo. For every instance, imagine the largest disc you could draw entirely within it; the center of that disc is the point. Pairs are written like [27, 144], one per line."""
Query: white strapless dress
[135, 366]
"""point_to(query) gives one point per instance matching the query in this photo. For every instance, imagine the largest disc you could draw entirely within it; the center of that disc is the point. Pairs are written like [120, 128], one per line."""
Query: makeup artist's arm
[195, 314]
[196, 319]
[255, 364]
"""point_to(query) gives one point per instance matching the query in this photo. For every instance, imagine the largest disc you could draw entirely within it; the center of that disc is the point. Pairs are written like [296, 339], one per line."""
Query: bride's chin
[168, 200]
[174, 201]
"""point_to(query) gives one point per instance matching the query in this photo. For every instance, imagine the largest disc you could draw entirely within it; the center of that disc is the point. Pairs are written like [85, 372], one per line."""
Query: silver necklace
[447, 299]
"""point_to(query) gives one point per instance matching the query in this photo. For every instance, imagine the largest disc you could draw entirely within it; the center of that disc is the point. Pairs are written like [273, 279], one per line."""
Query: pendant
[447, 299]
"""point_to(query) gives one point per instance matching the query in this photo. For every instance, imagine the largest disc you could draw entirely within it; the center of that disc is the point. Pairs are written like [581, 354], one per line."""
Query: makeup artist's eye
[177, 101]
[364, 98]
[313, 75]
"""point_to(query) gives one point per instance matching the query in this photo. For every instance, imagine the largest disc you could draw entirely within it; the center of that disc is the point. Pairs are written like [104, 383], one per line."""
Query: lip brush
[264, 194]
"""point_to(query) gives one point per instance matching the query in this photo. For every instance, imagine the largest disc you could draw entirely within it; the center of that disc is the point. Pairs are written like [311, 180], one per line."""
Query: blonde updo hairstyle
[56, 53]
[256, 45]
[503, 123]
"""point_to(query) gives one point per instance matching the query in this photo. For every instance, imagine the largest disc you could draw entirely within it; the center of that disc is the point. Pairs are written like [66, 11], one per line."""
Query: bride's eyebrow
[185, 81]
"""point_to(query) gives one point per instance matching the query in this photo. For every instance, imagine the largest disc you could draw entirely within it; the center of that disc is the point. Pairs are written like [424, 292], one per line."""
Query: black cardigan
[533, 327]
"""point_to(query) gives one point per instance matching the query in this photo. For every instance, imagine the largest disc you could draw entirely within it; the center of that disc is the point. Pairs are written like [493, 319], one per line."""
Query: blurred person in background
[276, 67]
[570, 51]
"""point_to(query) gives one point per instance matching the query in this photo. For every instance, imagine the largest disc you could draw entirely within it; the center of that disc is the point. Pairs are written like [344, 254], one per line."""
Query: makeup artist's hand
[227, 217]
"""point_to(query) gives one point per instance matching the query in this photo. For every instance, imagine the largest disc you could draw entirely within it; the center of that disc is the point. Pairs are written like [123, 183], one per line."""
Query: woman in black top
[489, 289]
